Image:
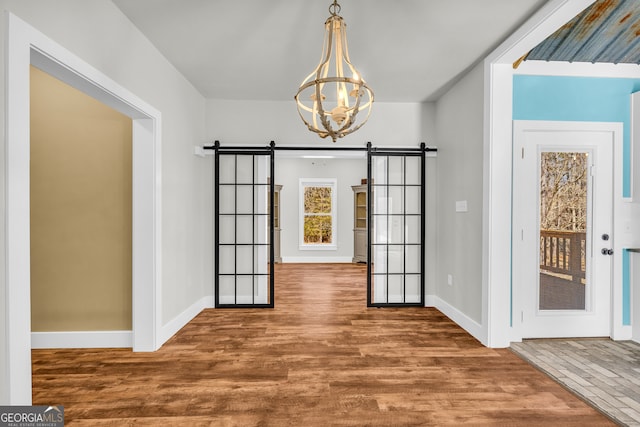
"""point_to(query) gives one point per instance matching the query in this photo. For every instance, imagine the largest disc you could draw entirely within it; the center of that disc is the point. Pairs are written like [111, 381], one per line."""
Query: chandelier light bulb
[324, 101]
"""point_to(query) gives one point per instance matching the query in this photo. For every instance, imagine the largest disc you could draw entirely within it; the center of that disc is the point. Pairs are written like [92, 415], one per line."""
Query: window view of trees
[563, 223]
[563, 191]
[317, 215]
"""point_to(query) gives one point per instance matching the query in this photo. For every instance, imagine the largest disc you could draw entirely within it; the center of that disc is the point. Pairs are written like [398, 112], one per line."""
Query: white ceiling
[407, 50]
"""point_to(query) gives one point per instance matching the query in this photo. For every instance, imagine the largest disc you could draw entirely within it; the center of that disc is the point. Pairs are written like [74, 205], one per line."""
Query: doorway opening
[27, 46]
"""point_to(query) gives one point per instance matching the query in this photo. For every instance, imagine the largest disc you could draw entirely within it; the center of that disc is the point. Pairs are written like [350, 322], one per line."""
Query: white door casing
[26, 46]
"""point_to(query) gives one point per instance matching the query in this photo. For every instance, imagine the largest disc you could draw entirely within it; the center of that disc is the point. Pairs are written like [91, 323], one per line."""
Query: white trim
[634, 152]
[430, 300]
[465, 322]
[82, 339]
[498, 113]
[318, 247]
[579, 69]
[316, 259]
[178, 322]
[26, 45]
[318, 182]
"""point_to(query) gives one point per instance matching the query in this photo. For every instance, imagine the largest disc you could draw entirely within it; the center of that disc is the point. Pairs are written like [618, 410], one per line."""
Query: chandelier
[330, 103]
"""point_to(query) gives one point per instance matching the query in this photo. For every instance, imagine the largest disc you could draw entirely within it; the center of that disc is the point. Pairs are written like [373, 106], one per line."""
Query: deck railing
[563, 252]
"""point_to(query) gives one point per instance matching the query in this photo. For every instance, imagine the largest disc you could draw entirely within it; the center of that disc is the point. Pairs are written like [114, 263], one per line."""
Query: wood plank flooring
[320, 358]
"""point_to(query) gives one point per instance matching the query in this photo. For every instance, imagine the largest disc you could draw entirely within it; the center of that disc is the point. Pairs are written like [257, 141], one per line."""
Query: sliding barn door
[244, 255]
[396, 236]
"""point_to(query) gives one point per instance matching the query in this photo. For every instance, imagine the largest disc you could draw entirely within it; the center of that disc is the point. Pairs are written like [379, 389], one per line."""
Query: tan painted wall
[80, 211]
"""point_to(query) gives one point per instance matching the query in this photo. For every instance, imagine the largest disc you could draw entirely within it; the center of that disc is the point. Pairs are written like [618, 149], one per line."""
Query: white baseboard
[430, 301]
[175, 324]
[317, 259]
[623, 333]
[114, 339]
[461, 319]
[82, 339]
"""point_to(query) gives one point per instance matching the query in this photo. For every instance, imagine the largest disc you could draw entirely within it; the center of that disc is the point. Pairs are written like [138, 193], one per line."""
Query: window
[318, 207]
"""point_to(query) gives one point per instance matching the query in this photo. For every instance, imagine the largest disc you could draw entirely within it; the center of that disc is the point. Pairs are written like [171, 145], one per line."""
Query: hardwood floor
[320, 358]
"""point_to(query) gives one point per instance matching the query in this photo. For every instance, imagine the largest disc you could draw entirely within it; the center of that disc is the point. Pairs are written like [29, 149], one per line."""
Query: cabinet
[276, 223]
[359, 223]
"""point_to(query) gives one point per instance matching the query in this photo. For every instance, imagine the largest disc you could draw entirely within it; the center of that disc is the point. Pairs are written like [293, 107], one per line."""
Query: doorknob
[605, 237]
[606, 251]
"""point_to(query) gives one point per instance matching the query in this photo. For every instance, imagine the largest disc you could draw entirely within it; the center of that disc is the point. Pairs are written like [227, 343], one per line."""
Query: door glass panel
[380, 169]
[380, 259]
[412, 288]
[395, 262]
[396, 291]
[226, 290]
[244, 290]
[245, 169]
[396, 170]
[380, 200]
[244, 199]
[396, 229]
[413, 174]
[564, 220]
[396, 199]
[412, 204]
[227, 229]
[227, 258]
[412, 259]
[412, 229]
[227, 196]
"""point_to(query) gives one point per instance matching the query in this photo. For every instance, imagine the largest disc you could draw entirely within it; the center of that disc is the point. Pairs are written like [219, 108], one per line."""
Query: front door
[563, 186]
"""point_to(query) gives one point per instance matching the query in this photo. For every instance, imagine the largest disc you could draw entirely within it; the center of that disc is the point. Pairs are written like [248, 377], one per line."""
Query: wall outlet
[449, 279]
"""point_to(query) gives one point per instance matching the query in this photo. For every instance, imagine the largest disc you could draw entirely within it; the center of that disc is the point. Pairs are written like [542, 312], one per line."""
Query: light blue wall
[591, 99]
[588, 99]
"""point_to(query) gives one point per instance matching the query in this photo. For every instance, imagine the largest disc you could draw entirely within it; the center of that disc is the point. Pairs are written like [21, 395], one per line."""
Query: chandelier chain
[335, 8]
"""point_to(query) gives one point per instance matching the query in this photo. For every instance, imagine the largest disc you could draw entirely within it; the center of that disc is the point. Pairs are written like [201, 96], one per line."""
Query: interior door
[563, 186]
[396, 206]
[244, 228]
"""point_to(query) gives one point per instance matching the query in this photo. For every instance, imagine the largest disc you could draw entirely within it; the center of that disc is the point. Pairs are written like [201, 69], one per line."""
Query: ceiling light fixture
[329, 103]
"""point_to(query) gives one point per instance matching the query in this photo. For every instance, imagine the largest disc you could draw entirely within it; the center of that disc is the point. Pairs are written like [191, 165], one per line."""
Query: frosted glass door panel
[413, 229]
[226, 290]
[379, 172]
[412, 288]
[413, 171]
[395, 289]
[380, 259]
[395, 262]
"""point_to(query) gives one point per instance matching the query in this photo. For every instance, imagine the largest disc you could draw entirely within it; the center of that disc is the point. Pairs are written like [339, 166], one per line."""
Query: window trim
[318, 182]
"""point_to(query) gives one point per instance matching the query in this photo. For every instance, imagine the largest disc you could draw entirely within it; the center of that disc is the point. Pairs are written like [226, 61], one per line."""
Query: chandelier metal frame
[325, 103]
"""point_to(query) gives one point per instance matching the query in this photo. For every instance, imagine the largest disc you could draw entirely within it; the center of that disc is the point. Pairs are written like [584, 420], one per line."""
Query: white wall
[98, 33]
[459, 127]
[348, 172]
[258, 122]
